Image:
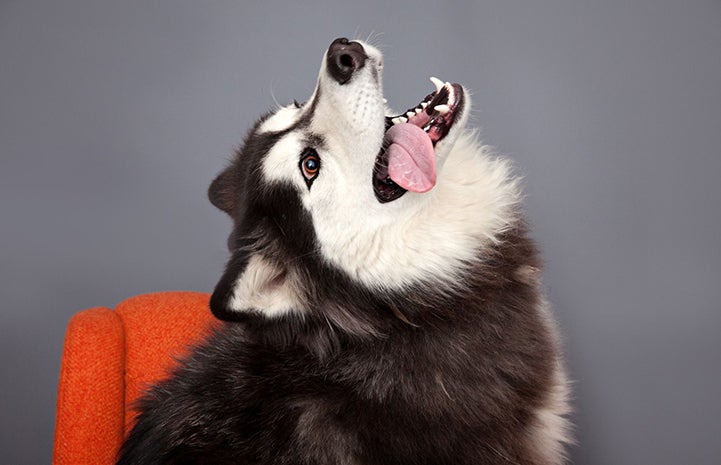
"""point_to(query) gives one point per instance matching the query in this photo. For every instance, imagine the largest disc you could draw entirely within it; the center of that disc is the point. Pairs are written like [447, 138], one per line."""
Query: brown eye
[309, 165]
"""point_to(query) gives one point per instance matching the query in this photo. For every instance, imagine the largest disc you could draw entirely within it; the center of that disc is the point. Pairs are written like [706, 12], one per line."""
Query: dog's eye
[309, 165]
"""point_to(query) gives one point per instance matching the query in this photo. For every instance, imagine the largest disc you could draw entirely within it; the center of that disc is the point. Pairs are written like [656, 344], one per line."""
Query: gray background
[115, 116]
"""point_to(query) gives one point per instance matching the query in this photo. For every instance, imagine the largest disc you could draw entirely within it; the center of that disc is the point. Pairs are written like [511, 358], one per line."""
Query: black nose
[344, 58]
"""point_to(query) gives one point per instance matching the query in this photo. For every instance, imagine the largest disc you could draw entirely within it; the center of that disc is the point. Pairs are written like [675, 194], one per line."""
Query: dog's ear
[221, 192]
[256, 285]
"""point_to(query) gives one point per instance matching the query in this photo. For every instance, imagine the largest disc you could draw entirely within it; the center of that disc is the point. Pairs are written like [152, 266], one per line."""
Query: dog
[382, 301]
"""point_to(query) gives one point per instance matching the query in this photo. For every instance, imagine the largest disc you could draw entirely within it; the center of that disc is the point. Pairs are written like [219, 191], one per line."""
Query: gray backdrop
[115, 116]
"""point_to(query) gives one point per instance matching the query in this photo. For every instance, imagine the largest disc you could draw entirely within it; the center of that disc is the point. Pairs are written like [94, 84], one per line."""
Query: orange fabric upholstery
[109, 359]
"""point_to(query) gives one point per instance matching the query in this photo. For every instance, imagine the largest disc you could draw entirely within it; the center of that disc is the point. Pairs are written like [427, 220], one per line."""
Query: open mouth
[406, 161]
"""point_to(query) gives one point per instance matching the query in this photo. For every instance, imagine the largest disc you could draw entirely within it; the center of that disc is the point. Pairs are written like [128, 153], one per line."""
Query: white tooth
[451, 94]
[410, 114]
[442, 109]
[418, 110]
[403, 119]
[424, 104]
[437, 82]
[396, 120]
[399, 119]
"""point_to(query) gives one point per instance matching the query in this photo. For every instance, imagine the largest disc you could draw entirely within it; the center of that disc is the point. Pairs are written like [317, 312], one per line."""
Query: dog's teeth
[399, 119]
[410, 114]
[424, 104]
[451, 94]
[442, 109]
[437, 82]
[403, 119]
[418, 111]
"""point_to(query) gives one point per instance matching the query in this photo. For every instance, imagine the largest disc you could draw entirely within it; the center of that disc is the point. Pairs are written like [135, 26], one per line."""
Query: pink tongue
[411, 160]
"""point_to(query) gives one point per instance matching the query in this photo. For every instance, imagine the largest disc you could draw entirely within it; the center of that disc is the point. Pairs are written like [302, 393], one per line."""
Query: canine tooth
[442, 109]
[437, 82]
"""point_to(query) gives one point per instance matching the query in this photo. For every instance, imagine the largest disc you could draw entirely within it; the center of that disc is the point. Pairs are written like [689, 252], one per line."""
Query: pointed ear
[221, 192]
[257, 286]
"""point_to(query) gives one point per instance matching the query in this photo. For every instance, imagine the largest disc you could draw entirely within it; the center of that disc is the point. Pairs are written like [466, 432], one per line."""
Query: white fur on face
[281, 120]
[416, 238]
[281, 164]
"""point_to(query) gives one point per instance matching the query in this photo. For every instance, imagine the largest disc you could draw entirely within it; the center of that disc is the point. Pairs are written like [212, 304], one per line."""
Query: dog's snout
[344, 58]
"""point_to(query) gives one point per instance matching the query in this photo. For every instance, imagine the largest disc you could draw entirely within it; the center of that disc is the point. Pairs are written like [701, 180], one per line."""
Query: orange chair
[109, 358]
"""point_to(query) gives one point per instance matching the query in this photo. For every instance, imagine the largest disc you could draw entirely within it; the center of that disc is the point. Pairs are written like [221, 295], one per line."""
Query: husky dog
[382, 297]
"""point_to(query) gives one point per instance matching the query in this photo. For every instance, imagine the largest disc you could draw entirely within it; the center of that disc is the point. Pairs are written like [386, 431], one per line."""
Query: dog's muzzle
[407, 159]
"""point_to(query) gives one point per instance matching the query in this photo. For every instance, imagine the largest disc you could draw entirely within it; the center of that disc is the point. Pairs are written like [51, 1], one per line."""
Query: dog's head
[340, 189]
